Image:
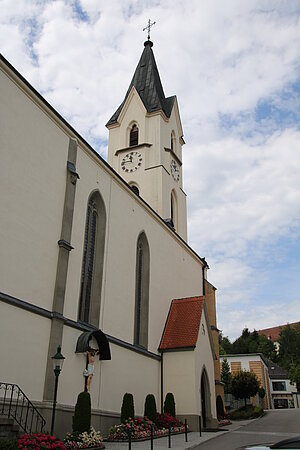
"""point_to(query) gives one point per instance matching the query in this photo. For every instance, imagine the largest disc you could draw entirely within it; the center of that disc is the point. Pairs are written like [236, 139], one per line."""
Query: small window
[135, 189]
[134, 136]
[279, 385]
[173, 142]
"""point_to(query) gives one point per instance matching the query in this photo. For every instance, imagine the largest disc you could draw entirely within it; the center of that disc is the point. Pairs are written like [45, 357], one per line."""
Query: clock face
[174, 170]
[131, 161]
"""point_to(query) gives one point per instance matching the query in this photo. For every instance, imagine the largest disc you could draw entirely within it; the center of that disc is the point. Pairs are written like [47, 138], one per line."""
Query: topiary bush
[127, 410]
[150, 410]
[82, 416]
[169, 404]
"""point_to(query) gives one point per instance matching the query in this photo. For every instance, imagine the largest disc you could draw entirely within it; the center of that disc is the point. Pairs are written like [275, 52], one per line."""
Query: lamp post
[57, 360]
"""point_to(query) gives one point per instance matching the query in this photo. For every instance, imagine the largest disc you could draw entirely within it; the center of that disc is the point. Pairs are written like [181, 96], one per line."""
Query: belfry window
[142, 292]
[92, 262]
[134, 136]
[174, 212]
[173, 142]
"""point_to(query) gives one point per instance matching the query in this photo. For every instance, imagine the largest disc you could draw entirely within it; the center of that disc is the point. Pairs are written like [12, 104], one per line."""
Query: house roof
[147, 82]
[273, 333]
[183, 322]
[276, 372]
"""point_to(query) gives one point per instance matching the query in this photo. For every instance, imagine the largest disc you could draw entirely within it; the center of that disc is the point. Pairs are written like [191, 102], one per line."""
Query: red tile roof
[273, 333]
[183, 322]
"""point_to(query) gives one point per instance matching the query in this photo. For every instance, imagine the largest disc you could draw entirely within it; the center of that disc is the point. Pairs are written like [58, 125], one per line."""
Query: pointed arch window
[173, 142]
[142, 292]
[174, 213]
[92, 261]
[134, 136]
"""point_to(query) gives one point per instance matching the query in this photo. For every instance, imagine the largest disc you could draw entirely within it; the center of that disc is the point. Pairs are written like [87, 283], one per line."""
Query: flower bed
[93, 439]
[141, 429]
[39, 441]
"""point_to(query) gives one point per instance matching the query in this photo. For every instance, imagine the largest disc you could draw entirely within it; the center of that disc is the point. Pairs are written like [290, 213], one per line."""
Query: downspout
[203, 280]
[161, 382]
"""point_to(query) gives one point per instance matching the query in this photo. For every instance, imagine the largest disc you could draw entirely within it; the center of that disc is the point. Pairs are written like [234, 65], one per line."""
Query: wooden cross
[148, 27]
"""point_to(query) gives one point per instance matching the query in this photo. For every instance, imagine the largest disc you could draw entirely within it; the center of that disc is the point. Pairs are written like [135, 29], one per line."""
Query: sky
[235, 68]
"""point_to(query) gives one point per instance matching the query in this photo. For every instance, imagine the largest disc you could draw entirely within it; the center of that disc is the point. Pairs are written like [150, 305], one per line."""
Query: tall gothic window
[92, 262]
[174, 213]
[173, 142]
[134, 135]
[142, 292]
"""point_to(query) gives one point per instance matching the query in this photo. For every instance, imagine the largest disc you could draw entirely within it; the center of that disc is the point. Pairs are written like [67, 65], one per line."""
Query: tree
[127, 409]
[226, 375]
[82, 414]
[225, 346]
[294, 374]
[150, 410]
[169, 404]
[289, 346]
[244, 385]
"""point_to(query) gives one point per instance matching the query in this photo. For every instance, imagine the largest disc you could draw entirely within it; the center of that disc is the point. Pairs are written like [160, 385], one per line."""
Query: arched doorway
[205, 399]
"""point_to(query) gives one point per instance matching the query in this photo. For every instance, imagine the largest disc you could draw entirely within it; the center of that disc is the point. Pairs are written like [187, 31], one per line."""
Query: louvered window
[134, 136]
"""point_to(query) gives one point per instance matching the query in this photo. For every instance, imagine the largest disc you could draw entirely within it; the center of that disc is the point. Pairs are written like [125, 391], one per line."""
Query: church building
[95, 254]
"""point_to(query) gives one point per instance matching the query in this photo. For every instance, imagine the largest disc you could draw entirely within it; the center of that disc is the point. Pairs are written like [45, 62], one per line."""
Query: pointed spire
[147, 82]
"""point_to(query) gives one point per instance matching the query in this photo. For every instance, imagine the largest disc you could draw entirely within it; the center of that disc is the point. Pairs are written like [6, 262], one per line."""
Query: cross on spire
[148, 27]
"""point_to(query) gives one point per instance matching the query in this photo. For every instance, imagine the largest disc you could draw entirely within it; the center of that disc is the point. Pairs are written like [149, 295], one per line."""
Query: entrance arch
[205, 398]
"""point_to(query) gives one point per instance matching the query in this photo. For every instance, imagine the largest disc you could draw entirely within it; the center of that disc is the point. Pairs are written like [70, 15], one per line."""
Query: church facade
[95, 253]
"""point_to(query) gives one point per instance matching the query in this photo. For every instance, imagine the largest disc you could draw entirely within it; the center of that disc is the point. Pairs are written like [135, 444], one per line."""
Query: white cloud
[223, 60]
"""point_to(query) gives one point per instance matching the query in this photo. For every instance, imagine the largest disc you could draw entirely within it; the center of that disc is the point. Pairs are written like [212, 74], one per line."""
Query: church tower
[145, 143]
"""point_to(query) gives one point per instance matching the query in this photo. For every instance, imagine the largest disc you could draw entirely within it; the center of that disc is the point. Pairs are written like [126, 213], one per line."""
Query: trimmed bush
[82, 416]
[150, 410]
[127, 410]
[169, 404]
[8, 443]
[258, 411]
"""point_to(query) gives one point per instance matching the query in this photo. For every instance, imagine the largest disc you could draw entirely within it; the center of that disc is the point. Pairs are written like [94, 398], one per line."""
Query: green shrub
[258, 411]
[127, 410]
[150, 410]
[261, 392]
[8, 444]
[82, 416]
[246, 413]
[169, 404]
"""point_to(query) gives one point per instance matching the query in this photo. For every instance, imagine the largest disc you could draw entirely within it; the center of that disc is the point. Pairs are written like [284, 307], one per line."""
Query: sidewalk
[177, 441]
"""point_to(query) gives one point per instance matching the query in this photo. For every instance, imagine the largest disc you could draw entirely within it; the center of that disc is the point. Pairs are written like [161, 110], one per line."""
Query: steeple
[146, 81]
[145, 143]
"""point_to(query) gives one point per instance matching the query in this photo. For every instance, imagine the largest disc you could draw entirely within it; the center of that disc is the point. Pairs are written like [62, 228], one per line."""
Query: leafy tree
[294, 374]
[225, 346]
[226, 375]
[244, 385]
[261, 392]
[127, 409]
[289, 347]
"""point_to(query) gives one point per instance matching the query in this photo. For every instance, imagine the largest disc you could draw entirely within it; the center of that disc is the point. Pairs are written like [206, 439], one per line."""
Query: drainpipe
[162, 382]
[203, 280]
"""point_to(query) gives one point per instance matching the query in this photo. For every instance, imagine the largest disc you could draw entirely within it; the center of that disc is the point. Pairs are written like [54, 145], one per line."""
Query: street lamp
[57, 360]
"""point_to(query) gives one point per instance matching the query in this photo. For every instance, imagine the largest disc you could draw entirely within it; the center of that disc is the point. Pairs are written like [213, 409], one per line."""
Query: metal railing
[16, 405]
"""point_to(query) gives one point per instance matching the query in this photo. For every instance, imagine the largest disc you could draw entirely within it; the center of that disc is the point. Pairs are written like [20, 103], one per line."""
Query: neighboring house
[97, 253]
[273, 333]
[280, 393]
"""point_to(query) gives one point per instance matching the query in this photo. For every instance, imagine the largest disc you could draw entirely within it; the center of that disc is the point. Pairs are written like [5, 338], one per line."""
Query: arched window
[142, 292]
[174, 213]
[173, 142]
[134, 135]
[92, 262]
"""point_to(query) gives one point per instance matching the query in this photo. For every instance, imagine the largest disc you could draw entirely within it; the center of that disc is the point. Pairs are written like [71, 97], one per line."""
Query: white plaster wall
[24, 341]
[128, 372]
[33, 152]
[179, 378]
[204, 359]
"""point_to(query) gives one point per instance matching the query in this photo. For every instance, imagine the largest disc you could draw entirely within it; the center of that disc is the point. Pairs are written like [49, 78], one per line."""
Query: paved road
[273, 427]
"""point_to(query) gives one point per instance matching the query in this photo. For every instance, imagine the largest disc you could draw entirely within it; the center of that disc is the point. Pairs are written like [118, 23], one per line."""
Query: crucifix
[148, 27]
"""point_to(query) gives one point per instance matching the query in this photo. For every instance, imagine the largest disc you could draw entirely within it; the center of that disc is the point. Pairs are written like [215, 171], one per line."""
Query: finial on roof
[148, 28]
